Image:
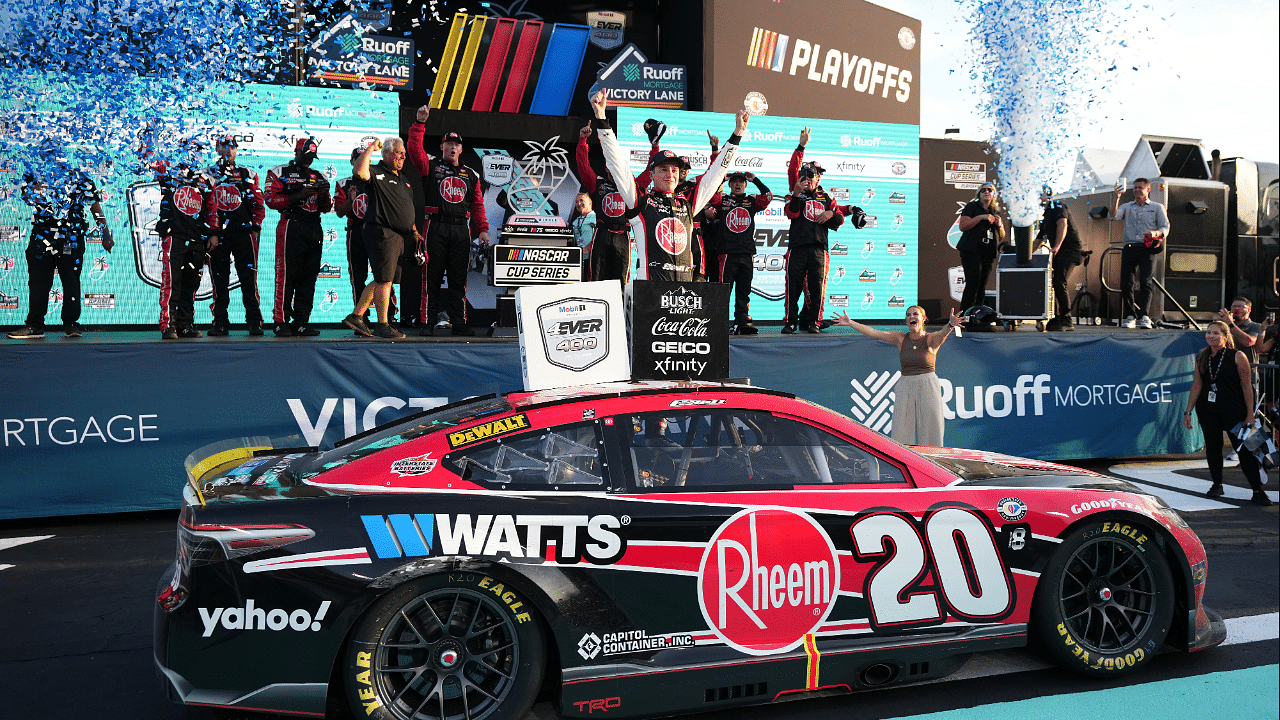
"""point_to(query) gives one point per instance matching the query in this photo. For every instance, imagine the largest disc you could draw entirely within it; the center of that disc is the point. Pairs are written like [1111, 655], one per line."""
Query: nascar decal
[488, 430]
[575, 331]
[953, 546]
[594, 538]
[767, 578]
[1011, 509]
[413, 466]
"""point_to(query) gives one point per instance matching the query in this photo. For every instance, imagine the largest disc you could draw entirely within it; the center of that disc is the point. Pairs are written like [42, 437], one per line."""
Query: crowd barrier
[99, 428]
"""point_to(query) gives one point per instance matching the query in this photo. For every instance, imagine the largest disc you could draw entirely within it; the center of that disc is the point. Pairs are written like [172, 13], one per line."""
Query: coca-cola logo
[813, 211]
[188, 201]
[453, 189]
[754, 161]
[686, 327]
[768, 578]
[738, 220]
[360, 205]
[228, 197]
[672, 235]
[613, 205]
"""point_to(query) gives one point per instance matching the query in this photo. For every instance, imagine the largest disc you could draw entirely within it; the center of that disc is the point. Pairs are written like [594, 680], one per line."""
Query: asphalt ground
[77, 599]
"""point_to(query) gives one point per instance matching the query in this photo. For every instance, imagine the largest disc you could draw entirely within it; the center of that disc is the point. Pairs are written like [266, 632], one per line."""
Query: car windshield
[410, 428]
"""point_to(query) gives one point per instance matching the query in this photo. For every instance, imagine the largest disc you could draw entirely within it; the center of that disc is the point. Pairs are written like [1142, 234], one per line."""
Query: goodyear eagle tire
[1104, 604]
[460, 645]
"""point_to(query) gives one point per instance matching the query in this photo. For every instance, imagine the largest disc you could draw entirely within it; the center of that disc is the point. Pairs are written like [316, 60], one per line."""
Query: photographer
[301, 194]
[982, 232]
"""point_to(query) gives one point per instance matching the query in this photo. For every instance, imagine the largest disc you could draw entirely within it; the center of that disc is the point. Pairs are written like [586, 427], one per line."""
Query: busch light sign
[679, 331]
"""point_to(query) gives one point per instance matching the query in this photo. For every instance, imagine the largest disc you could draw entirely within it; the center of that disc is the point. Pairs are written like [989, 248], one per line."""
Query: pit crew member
[241, 210]
[301, 194]
[735, 233]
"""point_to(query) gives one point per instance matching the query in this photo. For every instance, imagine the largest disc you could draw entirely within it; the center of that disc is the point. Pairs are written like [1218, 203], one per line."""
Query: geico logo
[517, 536]
[253, 618]
[767, 578]
[313, 432]
[70, 431]
[687, 348]
[574, 327]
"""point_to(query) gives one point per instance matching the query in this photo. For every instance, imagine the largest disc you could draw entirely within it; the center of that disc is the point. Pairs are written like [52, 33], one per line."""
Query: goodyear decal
[512, 424]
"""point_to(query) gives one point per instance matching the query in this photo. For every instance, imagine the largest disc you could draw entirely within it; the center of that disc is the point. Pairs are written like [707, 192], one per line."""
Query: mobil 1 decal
[946, 563]
[768, 578]
[575, 332]
[679, 331]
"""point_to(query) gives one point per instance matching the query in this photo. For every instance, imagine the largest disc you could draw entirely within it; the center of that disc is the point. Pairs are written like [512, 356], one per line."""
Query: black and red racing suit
[807, 259]
[735, 233]
[455, 212]
[664, 234]
[188, 217]
[241, 210]
[299, 239]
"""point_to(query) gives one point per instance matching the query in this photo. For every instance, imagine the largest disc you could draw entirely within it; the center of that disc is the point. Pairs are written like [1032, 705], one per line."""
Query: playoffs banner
[679, 331]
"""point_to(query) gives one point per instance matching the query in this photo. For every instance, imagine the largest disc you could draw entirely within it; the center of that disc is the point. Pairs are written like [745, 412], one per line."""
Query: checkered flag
[873, 400]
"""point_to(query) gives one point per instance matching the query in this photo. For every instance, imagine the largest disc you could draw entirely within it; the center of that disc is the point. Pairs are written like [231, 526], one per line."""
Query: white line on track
[1189, 496]
[1251, 628]
[6, 543]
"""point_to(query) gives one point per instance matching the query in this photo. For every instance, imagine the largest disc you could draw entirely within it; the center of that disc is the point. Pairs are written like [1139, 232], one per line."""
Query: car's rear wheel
[446, 646]
[1104, 603]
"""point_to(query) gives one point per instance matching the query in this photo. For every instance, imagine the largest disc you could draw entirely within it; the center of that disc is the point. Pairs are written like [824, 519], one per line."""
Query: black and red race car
[644, 549]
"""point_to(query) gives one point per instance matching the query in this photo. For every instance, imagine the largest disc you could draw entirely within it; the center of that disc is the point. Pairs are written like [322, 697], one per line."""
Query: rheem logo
[767, 579]
[672, 235]
[614, 205]
[453, 189]
[228, 197]
[738, 220]
[187, 200]
[813, 211]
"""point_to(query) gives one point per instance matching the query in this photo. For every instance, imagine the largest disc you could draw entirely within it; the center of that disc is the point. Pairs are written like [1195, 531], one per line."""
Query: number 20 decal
[971, 581]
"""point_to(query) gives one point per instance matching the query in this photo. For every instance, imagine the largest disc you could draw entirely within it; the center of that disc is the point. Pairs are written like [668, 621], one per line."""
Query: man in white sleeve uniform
[663, 234]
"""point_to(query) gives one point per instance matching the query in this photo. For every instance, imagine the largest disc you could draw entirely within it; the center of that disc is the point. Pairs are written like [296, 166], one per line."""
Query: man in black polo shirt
[1059, 232]
[388, 227]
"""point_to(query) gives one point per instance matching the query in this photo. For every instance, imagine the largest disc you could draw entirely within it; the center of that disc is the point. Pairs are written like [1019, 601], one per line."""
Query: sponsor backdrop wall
[122, 287]
[98, 440]
[875, 166]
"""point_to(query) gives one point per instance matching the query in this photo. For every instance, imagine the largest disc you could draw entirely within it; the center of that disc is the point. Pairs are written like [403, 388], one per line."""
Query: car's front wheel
[1104, 603]
[445, 646]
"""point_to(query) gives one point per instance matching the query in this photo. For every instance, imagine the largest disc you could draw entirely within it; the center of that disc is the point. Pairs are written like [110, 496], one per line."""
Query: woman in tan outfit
[917, 406]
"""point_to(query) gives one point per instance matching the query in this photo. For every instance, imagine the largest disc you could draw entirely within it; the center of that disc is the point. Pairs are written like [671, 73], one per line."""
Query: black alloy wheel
[446, 648]
[1105, 602]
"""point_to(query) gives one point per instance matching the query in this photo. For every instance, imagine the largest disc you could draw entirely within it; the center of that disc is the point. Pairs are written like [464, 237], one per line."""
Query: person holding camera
[813, 214]
[982, 231]
[1146, 227]
[301, 194]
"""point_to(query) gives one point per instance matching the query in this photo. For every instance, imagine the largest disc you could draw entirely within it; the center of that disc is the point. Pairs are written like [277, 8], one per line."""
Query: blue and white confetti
[1044, 68]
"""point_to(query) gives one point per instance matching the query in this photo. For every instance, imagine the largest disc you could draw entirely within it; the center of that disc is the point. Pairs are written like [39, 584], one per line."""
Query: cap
[307, 146]
[737, 177]
[452, 137]
[228, 141]
[811, 168]
[666, 156]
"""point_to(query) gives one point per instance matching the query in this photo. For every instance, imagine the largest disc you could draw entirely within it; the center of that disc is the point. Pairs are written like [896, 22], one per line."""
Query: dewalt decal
[488, 430]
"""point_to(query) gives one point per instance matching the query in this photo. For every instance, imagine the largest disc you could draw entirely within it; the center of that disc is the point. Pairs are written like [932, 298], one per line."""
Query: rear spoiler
[200, 462]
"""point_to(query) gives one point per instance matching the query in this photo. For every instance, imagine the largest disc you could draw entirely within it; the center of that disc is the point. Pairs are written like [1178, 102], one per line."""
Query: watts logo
[768, 50]
[488, 430]
[593, 538]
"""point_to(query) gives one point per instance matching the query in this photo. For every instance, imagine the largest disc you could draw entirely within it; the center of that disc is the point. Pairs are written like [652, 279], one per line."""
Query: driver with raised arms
[664, 234]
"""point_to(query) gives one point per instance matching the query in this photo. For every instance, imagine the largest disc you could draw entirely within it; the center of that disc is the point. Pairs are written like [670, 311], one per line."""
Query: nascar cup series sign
[571, 335]
[679, 331]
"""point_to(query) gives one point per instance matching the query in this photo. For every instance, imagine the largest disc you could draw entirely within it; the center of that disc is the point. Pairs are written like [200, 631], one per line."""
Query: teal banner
[102, 427]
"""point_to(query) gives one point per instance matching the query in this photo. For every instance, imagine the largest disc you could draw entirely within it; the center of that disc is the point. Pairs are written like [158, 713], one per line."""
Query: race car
[647, 548]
